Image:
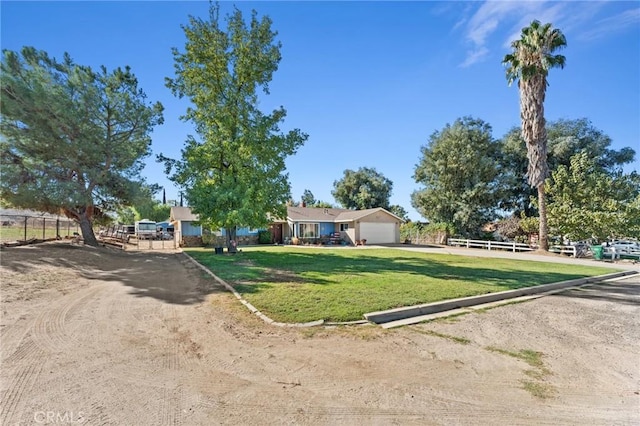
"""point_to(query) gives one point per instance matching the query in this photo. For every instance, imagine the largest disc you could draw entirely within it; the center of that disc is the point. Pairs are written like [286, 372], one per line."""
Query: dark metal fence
[24, 228]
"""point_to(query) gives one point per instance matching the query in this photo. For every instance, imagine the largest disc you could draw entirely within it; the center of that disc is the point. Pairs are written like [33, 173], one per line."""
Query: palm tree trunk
[543, 234]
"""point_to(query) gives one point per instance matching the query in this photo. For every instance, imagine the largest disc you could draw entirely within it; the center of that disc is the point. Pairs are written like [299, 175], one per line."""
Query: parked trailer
[145, 229]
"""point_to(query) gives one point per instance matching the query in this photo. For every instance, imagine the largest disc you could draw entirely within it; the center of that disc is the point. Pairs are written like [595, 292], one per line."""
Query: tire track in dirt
[23, 367]
[46, 334]
[11, 337]
[49, 330]
[171, 405]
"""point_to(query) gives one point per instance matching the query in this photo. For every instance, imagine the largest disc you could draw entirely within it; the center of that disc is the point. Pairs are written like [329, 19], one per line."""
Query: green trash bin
[598, 252]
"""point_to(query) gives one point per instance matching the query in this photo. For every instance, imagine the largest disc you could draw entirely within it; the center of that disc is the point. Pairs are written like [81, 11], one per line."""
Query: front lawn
[295, 284]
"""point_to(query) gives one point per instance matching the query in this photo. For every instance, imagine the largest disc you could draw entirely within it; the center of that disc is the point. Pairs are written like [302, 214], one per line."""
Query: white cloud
[474, 56]
[491, 16]
[579, 20]
[612, 24]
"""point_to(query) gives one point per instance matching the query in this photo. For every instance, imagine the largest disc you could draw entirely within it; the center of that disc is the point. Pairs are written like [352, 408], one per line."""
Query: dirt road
[103, 337]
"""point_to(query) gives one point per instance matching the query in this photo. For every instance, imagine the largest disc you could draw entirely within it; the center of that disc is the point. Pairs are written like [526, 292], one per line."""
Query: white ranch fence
[489, 245]
[573, 251]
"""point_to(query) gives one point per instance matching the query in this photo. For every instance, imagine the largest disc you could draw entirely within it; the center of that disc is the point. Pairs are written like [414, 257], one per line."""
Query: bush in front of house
[264, 237]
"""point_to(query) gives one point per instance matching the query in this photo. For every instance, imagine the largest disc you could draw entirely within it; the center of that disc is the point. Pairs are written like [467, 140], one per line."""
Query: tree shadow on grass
[165, 276]
[313, 267]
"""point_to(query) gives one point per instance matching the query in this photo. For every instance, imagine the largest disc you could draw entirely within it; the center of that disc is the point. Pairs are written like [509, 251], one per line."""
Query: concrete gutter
[397, 314]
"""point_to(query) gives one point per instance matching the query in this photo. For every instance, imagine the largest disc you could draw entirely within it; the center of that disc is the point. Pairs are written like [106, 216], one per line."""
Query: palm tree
[529, 63]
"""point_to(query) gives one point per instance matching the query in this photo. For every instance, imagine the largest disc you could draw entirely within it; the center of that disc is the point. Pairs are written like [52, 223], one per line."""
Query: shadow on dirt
[167, 276]
[626, 292]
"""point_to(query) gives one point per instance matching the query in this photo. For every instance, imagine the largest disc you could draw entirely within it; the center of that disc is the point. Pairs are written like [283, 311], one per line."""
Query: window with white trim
[309, 230]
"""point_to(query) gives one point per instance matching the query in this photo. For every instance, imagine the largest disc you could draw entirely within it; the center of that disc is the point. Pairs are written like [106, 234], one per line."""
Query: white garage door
[378, 233]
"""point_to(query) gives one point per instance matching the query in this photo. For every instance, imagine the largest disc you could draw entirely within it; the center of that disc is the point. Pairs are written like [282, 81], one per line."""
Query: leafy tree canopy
[308, 199]
[148, 207]
[233, 175]
[127, 215]
[587, 201]
[73, 139]
[566, 138]
[365, 188]
[399, 211]
[459, 170]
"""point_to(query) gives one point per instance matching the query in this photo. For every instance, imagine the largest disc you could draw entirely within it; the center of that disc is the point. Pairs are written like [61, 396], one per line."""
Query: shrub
[265, 237]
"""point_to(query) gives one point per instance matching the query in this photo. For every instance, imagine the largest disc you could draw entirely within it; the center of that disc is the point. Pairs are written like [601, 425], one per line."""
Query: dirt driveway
[103, 337]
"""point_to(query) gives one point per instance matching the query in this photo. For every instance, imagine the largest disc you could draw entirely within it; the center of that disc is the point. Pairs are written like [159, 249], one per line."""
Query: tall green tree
[127, 215]
[308, 199]
[234, 174]
[565, 138]
[365, 188]
[586, 201]
[146, 206]
[459, 169]
[399, 211]
[73, 139]
[529, 63]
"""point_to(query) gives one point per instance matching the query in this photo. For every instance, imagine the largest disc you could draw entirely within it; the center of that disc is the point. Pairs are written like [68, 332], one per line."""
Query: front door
[276, 233]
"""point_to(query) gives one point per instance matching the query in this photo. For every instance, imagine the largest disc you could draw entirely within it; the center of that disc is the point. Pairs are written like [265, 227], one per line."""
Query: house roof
[182, 213]
[319, 214]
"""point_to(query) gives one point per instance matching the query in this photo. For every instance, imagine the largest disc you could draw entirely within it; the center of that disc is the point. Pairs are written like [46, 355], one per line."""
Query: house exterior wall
[350, 234]
[188, 229]
[242, 232]
[327, 228]
[381, 225]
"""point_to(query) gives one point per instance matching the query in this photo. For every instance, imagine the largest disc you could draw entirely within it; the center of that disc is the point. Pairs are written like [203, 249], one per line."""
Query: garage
[378, 233]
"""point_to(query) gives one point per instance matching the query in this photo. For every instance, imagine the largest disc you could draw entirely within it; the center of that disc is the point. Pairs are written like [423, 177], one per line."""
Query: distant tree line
[469, 178]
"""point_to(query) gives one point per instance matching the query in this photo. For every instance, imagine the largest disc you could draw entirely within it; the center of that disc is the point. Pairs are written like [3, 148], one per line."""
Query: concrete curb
[398, 314]
[382, 317]
[249, 306]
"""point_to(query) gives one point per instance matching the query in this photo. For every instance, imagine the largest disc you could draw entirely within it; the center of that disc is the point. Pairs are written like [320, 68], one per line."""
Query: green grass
[457, 339]
[532, 358]
[540, 390]
[295, 284]
[537, 387]
[15, 233]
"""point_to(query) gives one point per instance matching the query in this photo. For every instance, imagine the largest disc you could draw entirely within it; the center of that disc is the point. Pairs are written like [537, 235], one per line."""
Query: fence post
[25, 228]
[57, 228]
[44, 225]
[489, 246]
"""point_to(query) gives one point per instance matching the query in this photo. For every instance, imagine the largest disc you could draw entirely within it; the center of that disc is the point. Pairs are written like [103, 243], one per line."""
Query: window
[309, 230]
[344, 226]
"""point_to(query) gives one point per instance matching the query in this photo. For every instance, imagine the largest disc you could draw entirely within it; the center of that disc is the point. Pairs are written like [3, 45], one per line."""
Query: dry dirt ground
[104, 337]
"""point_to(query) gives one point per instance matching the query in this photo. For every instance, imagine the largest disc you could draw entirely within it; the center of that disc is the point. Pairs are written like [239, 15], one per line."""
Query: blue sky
[368, 81]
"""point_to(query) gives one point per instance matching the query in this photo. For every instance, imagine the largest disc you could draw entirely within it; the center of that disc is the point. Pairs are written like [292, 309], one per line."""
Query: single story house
[312, 224]
[183, 222]
[182, 219]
